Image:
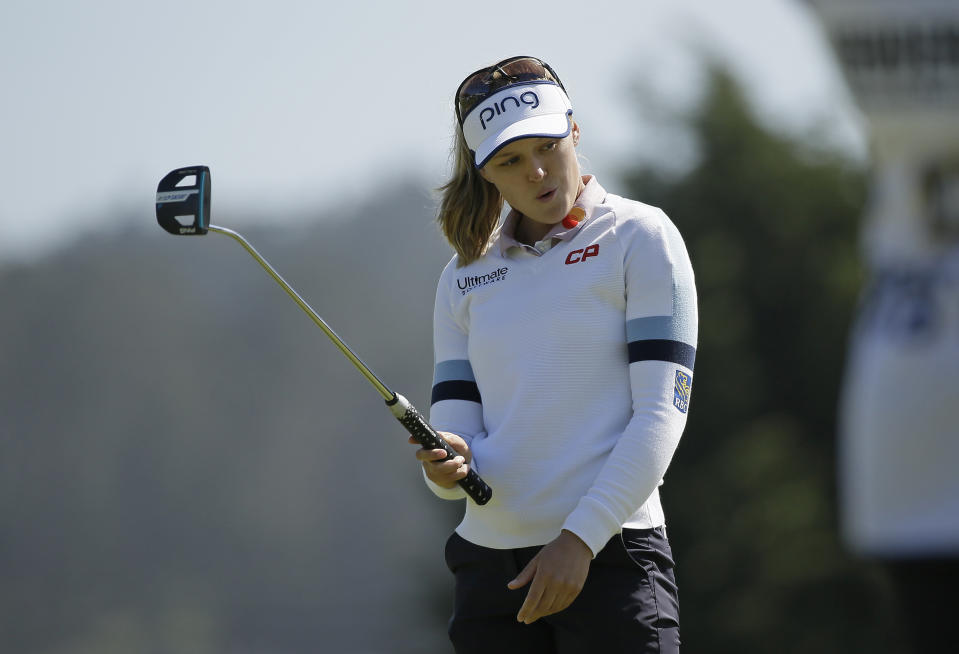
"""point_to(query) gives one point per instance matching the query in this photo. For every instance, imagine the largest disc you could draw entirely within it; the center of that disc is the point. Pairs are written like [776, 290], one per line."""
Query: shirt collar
[589, 198]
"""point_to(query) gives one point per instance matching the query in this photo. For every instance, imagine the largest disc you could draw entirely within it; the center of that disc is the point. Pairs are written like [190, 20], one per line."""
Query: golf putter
[183, 209]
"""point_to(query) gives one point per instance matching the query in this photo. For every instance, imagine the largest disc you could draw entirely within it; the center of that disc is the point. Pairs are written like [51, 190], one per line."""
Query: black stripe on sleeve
[663, 350]
[456, 390]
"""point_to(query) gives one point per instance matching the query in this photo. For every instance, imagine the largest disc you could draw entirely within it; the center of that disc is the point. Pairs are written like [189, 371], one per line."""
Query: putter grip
[424, 434]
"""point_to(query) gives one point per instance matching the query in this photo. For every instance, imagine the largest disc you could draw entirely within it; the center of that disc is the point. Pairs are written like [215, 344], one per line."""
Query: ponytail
[470, 206]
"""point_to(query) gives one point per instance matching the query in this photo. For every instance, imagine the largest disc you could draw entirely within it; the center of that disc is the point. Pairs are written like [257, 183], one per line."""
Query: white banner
[899, 463]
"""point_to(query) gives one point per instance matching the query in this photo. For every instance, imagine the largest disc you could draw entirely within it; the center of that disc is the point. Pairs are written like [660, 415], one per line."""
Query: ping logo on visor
[539, 108]
[488, 113]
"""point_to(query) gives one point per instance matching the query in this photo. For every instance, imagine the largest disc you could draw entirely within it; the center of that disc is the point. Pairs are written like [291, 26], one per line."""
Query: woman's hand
[558, 572]
[445, 473]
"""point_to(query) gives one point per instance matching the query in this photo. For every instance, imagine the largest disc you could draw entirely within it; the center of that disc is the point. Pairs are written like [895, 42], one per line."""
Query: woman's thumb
[523, 577]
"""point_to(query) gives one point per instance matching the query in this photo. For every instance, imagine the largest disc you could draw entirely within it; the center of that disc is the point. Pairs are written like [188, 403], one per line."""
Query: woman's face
[539, 177]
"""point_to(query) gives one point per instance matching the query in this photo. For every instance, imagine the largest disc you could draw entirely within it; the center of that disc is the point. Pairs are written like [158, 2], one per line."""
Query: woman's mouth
[546, 196]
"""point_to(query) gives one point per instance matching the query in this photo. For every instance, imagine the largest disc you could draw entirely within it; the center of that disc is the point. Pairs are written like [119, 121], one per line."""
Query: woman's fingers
[559, 572]
[438, 470]
[444, 473]
[457, 443]
[433, 455]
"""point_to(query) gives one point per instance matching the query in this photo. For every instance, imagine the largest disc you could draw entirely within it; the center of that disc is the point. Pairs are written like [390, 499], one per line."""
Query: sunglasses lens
[466, 104]
[476, 84]
[483, 83]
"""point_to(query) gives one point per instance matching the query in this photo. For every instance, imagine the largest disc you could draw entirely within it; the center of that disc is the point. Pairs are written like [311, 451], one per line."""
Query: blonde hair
[470, 206]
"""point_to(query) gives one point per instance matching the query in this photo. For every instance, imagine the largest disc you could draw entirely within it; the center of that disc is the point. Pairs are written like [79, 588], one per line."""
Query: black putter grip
[424, 434]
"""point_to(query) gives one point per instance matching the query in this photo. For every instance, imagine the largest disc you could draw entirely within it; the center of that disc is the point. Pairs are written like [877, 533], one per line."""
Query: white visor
[520, 111]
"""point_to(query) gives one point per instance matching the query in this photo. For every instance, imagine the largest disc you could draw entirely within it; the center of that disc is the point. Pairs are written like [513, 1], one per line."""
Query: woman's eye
[510, 161]
[551, 145]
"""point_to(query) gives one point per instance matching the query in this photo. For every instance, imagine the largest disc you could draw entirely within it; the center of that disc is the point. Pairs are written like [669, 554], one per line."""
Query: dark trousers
[629, 602]
[926, 589]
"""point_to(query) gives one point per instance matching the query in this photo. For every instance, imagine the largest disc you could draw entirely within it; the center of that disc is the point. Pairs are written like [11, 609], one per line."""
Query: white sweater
[568, 370]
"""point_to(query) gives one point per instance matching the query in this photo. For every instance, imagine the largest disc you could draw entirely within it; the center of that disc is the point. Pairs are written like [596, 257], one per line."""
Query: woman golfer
[564, 346]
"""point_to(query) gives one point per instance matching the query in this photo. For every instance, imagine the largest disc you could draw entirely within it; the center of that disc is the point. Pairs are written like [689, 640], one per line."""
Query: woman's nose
[536, 172]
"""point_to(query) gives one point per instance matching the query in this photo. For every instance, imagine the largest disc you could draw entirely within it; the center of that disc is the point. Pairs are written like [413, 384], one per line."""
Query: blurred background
[187, 465]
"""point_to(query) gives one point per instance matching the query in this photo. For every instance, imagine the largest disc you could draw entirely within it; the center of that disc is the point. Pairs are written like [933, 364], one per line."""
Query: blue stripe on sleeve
[453, 369]
[660, 328]
[453, 380]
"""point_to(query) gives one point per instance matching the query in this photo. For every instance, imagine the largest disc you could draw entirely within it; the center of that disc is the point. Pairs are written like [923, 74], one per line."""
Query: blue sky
[296, 105]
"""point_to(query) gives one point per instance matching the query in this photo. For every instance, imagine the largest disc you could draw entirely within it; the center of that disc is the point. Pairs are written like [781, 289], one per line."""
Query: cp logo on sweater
[582, 254]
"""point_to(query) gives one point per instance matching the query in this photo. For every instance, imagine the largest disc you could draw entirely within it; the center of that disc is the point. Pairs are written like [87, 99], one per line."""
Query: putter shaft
[362, 367]
[183, 208]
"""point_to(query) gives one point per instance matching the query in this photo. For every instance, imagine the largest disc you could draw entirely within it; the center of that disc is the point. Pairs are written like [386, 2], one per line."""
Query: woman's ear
[482, 173]
[575, 133]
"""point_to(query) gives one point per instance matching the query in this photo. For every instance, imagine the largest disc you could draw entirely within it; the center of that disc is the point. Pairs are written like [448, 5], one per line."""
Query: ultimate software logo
[467, 284]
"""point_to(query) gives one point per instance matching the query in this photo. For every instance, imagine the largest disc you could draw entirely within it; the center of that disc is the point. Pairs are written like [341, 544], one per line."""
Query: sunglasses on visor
[487, 81]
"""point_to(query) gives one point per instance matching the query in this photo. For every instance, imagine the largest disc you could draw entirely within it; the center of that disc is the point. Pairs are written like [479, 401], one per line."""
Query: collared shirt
[568, 371]
[504, 240]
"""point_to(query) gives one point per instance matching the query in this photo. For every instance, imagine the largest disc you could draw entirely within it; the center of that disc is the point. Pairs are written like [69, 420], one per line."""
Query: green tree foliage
[771, 226]
[188, 465]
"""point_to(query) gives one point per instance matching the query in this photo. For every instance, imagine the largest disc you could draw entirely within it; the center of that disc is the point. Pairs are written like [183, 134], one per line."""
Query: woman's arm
[456, 409]
[662, 330]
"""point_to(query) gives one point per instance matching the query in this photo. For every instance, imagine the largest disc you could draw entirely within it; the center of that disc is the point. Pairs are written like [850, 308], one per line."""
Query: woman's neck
[529, 231]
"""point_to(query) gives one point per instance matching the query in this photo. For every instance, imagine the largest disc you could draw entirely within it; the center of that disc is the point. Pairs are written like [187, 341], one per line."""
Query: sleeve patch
[681, 391]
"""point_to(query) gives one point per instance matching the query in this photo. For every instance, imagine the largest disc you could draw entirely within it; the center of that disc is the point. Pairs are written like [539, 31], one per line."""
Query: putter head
[183, 201]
